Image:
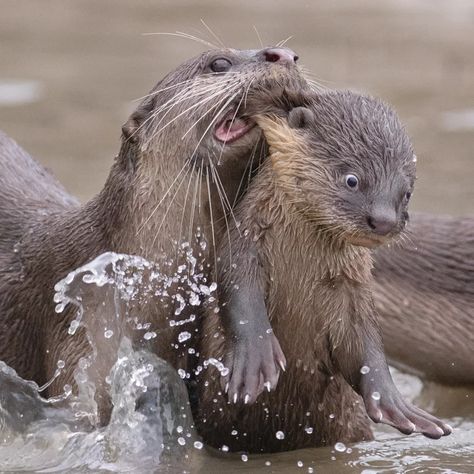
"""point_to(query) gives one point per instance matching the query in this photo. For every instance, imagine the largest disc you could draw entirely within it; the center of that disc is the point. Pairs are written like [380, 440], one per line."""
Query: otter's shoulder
[23, 181]
[28, 194]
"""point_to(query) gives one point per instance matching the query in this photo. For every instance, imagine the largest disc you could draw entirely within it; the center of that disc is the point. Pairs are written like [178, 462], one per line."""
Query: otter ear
[132, 127]
[300, 117]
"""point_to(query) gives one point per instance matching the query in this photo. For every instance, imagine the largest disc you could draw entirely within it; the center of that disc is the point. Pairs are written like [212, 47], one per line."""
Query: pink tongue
[229, 130]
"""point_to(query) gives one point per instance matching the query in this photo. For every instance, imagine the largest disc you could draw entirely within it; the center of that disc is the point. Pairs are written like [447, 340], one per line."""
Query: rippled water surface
[70, 72]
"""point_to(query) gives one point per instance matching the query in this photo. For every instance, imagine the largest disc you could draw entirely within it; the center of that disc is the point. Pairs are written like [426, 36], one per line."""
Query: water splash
[150, 425]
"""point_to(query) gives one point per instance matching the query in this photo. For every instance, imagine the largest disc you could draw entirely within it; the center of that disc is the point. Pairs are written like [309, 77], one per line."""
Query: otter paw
[393, 410]
[254, 366]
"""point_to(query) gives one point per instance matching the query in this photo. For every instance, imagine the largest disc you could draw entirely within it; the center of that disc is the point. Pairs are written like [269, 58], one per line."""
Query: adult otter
[186, 130]
[424, 293]
[338, 180]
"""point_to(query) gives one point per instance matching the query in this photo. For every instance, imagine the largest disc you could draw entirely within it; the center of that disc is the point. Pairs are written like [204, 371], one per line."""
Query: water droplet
[198, 444]
[364, 369]
[340, 447]
[309, 430]
[73, 327]
[244, 458]
[184, 336]
[376, 395]
[332, 416]
[224, 448]
[268, 463]
[234, 432]
[61, 364]
[182, 373]
[280, 435]
[67, 390]
[300, 464]
[108, 334]
[181, 441]
[149, 335]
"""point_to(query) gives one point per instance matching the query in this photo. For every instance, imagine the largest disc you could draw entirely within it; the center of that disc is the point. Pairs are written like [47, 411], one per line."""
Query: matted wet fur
[337, 182]
[184, 158]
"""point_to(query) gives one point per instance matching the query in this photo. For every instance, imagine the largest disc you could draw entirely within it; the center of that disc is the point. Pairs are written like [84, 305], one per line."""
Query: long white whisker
[181, 34]
[162, 199]
[197, 104]
[169, 207]
[219, 41]
[212, 219]
[283, 42]
[213, 121]
[258, 36]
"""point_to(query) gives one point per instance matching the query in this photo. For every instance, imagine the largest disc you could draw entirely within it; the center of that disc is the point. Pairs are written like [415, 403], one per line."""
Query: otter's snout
[382, 221]
[278, 55]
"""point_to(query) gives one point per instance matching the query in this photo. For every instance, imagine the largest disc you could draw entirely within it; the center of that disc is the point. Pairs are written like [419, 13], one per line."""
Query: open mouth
[231, 127]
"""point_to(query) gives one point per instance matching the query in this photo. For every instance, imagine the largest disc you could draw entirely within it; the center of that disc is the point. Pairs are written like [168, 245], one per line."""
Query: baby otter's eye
[221, 65]
[408, 195]
[352, 181]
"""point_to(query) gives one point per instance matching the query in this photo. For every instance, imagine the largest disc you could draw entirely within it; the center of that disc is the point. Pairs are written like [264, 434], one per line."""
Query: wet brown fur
[45, 233]
[317, 290]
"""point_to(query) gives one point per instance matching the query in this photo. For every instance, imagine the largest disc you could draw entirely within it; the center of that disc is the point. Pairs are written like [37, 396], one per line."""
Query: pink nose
[279, 55]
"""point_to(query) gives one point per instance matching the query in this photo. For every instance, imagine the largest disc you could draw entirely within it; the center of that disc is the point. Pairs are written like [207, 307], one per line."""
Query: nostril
[381, 225]
[279, 55]
[272, 57]
[371, 222]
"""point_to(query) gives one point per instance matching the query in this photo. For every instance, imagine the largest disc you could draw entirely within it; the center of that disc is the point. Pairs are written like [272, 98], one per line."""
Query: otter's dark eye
[352, 181]
[408, 195]
[220, 65]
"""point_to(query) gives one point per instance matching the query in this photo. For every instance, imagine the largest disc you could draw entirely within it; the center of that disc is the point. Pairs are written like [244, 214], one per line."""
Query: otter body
[303, 266]
[184, 153]
[424, 294]
[312, 404]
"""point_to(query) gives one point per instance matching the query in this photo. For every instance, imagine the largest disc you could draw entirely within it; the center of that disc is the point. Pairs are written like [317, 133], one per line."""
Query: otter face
[199, 105]
[352, 166]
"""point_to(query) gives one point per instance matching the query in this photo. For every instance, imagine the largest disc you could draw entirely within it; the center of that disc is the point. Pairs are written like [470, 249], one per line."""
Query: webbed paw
[254, 366]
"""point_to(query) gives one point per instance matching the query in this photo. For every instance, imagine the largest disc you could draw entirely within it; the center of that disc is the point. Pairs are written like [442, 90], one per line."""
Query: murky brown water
[71, 69]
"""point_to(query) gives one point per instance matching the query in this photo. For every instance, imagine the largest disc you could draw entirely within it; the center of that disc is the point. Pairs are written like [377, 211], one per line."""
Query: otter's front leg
[385, 404]
[253, 356]
[361, 360]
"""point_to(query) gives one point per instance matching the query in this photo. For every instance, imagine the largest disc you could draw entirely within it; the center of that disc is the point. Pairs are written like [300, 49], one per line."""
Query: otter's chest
[310, 283]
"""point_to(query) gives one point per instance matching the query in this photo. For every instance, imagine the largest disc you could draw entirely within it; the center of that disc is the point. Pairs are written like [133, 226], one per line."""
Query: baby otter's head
[346, 163]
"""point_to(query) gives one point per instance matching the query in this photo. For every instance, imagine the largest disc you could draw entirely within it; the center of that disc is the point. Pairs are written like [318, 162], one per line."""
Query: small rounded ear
[132, 126]
[300, 117]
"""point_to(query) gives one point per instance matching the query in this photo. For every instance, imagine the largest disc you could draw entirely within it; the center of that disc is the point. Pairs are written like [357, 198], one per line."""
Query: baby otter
[184, 153]
[336, 184]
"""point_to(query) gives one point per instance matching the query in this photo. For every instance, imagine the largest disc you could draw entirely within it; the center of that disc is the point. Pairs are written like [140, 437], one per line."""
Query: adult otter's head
[193, 114]
[347, 163]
